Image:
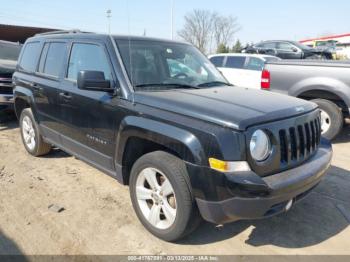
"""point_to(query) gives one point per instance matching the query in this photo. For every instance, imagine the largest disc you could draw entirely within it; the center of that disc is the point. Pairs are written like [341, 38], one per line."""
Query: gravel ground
[98, 217]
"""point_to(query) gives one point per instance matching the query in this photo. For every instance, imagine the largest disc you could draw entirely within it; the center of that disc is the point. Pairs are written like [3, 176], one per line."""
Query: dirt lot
[99, 219]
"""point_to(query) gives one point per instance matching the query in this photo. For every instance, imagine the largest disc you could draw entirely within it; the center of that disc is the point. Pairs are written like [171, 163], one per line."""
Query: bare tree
[224, 29]
[198, 29]
[202, 27]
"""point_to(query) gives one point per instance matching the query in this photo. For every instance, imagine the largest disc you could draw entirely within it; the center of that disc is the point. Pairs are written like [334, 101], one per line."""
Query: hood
[7, 67]
[233, 107]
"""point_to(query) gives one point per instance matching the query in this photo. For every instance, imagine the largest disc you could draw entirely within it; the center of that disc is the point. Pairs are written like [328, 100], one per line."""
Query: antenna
[109, 15]
[172, 19]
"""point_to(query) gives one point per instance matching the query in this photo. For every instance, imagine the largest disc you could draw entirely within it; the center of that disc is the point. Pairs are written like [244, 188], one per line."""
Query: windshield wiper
[167, 85]
[214, 83]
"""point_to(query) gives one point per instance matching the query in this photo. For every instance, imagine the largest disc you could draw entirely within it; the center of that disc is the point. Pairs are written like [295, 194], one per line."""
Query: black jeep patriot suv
[158, 116]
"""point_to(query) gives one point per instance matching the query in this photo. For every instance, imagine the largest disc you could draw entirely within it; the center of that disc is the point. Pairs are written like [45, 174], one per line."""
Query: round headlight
[260, 146]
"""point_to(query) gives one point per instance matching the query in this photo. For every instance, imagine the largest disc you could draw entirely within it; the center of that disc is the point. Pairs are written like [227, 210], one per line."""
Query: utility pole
[172, 19]
[109, 15]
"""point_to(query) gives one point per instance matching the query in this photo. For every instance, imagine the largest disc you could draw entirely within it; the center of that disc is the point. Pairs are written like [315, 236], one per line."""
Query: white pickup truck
[242, 69]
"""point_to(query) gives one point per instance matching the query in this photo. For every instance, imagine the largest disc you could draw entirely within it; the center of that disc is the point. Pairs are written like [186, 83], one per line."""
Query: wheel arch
[326, 94]
[23, 98]
[138, 136]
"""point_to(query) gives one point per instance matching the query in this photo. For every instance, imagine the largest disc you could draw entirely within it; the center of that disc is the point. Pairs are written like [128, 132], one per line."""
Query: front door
[89, 118]
[288, 51]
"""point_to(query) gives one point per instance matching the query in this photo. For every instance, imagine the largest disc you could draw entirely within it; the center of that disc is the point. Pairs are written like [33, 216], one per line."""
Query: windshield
[9, 51]
[153, 65]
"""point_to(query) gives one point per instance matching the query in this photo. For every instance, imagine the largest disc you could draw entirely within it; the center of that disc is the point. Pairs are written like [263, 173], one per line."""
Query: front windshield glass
[154, 65]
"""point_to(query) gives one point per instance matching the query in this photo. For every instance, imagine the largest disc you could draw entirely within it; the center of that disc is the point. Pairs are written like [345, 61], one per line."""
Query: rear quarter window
[235, 62]
[30, 57]
[255, 64]
[217, 60]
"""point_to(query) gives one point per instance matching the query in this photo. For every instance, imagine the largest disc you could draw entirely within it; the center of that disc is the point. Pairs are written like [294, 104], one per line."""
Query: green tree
[237, 48]
[222, 48]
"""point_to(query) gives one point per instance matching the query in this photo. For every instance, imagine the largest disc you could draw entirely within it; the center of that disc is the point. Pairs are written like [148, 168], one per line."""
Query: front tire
[161, 196]
[31, 137]
[332, 119]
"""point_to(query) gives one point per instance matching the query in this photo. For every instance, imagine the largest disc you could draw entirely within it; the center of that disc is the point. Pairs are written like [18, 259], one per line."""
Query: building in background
[14, 33]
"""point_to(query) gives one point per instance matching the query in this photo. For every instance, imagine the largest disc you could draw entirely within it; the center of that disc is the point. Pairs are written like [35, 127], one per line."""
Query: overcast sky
[259, 20]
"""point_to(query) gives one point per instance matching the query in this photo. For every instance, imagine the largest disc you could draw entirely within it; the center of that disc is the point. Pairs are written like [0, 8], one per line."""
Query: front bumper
[273, 193]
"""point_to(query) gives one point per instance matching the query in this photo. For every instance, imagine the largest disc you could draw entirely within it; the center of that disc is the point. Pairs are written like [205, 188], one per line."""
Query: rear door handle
[65, 96]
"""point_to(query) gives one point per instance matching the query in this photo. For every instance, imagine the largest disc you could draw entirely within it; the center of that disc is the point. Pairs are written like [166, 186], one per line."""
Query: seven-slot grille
[299, 142]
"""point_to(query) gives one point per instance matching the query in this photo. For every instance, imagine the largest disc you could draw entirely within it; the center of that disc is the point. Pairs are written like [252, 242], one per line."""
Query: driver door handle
[65, 96]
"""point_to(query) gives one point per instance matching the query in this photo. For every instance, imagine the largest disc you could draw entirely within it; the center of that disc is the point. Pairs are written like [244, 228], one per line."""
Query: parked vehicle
[327, 83]
[288, 50]
[187, 146]
[9, 53]
[242, 69]
[327, 45]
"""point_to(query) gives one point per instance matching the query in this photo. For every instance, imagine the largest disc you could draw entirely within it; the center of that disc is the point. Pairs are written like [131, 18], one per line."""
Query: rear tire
[31, 138]
[332, 119]
[167, 169]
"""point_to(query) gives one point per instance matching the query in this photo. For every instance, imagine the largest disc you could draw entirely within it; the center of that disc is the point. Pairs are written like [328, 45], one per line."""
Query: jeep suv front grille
[299, 142]
[294, 140]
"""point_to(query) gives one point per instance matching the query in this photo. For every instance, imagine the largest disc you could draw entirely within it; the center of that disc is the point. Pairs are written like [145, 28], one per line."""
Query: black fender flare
[26, 95]
[181, 141]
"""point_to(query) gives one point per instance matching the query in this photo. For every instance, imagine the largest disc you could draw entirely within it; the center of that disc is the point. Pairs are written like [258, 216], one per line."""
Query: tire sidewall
[183, 212]
[28, 112]
[335, 115]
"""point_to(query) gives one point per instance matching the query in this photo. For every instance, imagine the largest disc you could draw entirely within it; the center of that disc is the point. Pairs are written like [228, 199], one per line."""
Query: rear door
[234, 71]
[288, 51]
[49, 74]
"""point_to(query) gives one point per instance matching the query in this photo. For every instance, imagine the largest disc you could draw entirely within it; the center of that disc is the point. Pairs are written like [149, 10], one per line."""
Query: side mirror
[93, 81]
[294, 49]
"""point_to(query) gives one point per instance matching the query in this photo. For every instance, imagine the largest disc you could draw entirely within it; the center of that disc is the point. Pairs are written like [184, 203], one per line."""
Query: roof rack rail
[73, 31]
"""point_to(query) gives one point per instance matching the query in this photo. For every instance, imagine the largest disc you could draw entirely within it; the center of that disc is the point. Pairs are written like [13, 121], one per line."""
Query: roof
[77, 33]
[325, 38]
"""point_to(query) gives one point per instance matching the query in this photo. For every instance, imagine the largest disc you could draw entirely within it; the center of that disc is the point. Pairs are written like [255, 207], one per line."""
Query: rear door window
[30, 57]
[235, 62]
[52, 59]
[268, 45]
[217, 60]
[255, 64]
